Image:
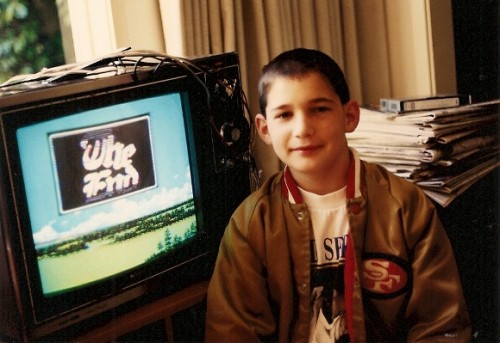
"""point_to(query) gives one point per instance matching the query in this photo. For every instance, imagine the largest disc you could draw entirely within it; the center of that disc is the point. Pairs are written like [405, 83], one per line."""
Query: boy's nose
[303, 126]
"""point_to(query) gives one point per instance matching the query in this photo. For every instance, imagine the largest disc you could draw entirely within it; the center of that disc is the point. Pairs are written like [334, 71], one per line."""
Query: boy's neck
[321, 188]
[324, 182]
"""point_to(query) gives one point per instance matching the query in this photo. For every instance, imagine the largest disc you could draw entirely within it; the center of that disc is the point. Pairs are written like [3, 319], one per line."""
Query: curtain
[383, 50]
[259, 30]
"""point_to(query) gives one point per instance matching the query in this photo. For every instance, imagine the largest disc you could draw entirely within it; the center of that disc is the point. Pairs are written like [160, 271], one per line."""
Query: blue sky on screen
[170, 157]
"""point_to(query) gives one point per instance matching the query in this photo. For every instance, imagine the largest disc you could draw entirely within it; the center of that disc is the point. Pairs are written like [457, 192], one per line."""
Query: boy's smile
[306, 123]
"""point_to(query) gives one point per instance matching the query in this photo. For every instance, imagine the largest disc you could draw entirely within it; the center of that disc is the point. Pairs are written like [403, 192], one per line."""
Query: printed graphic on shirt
[331, 251]
[328, 248]
[385, 276]
[328, 251]
[329, 321]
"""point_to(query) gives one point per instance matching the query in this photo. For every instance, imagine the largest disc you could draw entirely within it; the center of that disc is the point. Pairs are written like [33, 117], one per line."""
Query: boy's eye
[319, 109]
[282, 115]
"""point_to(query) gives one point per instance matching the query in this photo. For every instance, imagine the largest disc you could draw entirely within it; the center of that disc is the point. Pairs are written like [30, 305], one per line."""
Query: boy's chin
[302, 168]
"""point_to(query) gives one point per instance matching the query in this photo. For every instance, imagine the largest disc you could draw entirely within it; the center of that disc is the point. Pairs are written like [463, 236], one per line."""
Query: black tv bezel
[42, 316]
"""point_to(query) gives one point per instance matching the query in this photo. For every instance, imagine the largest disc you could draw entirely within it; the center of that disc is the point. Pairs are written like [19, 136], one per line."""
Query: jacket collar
[291, 191]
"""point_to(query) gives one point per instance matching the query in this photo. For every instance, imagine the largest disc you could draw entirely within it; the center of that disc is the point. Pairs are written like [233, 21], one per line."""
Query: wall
[406, 48]
[101, 27]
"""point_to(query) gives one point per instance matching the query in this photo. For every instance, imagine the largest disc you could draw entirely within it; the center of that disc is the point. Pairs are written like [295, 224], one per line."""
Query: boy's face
[306, 123]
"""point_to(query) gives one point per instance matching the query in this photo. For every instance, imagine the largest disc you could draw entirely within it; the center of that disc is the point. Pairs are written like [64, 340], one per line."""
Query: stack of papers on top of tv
[444, 151]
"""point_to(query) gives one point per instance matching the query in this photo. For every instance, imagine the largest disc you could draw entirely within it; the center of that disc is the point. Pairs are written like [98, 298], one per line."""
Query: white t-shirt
[330, 228]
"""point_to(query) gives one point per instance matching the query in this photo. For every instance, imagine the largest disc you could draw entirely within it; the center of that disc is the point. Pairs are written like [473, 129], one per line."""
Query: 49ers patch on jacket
[385, 276]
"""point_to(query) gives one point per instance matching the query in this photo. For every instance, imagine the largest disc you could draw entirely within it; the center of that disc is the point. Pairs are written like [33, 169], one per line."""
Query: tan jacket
[406, 285]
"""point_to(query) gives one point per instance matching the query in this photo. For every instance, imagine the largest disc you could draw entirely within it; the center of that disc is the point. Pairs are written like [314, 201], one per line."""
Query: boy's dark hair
[299, 62]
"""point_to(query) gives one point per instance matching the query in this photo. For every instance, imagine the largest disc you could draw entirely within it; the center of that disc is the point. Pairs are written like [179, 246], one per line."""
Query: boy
[331, 249]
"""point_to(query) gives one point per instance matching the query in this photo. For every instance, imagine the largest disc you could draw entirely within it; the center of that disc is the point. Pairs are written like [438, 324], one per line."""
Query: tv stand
[162, 309]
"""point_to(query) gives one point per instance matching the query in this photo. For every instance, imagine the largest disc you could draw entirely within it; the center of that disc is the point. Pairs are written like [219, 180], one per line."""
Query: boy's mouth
[306, 148]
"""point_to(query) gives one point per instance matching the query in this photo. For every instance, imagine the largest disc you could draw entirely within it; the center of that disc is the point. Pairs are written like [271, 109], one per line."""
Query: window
[30, 37]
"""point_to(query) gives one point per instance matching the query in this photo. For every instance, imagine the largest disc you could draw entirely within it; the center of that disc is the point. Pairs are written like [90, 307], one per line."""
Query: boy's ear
[262, 128]
[351, 112]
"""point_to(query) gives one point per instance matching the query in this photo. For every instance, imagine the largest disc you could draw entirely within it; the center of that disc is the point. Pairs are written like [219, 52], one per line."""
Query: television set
[118, 179]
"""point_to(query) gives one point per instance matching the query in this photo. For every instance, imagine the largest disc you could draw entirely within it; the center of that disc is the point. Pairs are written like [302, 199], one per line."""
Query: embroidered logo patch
[384, 276]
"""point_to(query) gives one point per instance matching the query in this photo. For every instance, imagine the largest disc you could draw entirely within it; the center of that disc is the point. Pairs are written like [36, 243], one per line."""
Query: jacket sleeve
[436, 308]
[237, 302]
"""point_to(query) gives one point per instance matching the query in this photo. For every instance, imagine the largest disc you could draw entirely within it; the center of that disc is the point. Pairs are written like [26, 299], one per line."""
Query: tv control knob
[230, 133]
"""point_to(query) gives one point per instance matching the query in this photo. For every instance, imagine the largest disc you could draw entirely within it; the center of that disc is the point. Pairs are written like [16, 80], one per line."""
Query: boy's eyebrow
[322, 100]
[312, 101]
[280, 107]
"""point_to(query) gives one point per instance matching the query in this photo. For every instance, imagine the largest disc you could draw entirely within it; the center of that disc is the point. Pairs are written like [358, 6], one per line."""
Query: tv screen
[122, 187]
[117, 188]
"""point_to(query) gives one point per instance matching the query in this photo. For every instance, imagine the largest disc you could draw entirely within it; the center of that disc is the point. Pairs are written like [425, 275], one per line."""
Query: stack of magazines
[443, 150]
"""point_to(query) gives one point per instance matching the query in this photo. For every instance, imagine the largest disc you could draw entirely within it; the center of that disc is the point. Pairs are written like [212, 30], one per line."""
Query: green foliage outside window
[30, 37]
